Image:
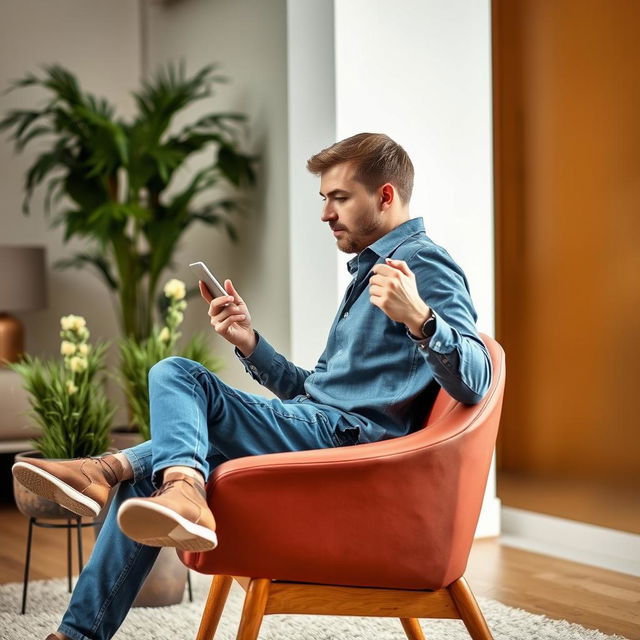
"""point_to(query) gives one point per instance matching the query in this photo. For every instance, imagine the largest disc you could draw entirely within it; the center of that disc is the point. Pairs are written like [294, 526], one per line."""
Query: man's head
[366, 182]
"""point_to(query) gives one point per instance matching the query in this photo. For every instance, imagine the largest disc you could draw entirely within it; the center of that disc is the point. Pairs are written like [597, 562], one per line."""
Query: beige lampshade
[23, 285]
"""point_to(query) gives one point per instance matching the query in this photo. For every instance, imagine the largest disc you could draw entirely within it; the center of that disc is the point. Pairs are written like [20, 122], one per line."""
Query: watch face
[429, 327]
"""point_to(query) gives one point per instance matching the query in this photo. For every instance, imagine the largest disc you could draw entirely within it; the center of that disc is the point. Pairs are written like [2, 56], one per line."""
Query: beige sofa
[16, 427]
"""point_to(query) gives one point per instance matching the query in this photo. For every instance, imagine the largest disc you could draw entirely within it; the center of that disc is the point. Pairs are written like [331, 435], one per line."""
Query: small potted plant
[69, 405]
[138, 356]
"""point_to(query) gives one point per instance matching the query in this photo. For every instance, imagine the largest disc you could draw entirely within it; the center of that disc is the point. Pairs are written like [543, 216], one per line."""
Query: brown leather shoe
[176, 515]
[81, 485]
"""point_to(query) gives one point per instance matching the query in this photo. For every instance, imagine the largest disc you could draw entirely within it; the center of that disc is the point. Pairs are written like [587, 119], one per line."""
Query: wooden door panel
[567, 140]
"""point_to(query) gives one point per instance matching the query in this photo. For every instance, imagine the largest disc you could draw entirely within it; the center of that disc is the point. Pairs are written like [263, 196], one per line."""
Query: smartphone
[215, 288]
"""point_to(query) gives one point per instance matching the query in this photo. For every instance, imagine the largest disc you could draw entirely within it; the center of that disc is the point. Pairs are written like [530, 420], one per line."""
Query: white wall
[420, 71]
[79, 34]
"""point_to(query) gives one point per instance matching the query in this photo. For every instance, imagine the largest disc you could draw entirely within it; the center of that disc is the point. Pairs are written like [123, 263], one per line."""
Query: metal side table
[71, 523]
[75, 523]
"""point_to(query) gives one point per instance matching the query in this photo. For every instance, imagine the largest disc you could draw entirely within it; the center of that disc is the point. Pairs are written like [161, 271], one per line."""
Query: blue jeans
[200, 422]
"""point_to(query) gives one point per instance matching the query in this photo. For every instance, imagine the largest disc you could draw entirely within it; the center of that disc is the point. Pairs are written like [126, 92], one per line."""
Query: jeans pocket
[346, 437]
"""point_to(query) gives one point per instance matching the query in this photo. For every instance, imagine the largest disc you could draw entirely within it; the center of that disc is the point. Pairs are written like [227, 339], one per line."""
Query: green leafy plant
[118, 176]
[138, 356]
[67, 397]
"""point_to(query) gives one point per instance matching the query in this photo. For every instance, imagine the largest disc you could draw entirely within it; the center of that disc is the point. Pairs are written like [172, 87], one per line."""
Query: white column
[311, 117]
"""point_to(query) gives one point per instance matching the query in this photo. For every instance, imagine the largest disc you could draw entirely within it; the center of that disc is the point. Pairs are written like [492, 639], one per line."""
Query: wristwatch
[429, 327]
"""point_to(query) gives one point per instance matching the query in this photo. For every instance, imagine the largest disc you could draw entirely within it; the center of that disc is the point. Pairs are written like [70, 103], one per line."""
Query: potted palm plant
[69, 405]
[120, 178]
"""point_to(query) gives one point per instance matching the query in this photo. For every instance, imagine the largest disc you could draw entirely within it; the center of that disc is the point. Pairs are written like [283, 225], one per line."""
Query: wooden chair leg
[412, 628]
[255, 604]
[469, 610]
[214, 606]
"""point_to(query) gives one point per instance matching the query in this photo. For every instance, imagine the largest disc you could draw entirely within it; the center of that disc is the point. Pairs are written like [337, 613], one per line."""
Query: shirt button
[438, 344]
[345, 314]
[253, 368]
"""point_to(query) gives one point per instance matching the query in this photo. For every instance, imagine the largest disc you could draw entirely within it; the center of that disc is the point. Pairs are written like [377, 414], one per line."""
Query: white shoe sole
[43, 484]
[158, 526]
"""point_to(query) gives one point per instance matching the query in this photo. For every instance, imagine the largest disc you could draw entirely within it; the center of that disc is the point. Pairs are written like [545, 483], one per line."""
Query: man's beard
[349, 244]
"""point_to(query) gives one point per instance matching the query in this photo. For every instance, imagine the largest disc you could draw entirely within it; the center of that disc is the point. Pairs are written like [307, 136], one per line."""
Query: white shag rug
[47, 601]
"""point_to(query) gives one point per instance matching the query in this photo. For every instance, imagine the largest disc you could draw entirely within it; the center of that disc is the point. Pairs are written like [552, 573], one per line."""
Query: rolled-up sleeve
[456, 354]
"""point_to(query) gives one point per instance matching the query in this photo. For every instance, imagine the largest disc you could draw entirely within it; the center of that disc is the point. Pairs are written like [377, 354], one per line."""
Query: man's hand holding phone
[230, 317]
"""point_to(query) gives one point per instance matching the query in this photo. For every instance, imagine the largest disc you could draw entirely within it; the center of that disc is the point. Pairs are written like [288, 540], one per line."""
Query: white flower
[175, 289]
[165, 335]
[72, 323]
[78, 365]
[67, 348]
[71, 388]
[83, 349]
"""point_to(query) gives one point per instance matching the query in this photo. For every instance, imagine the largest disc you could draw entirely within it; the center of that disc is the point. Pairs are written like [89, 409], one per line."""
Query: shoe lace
[169, 483]
[165, 486]
[107, 469]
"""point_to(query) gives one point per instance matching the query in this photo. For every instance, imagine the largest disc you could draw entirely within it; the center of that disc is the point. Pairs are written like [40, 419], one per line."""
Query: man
[405, 328]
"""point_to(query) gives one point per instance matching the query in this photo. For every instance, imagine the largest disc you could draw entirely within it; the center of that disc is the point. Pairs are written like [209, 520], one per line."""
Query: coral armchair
[380, 529]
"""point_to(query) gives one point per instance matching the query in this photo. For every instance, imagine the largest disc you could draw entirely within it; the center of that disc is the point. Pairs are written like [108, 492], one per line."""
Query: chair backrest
[465, 437]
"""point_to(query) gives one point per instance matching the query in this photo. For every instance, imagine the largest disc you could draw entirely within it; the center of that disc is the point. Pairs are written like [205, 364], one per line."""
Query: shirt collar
[385, 246]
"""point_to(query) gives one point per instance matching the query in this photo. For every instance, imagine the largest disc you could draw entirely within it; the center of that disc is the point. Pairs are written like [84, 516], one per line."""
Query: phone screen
[204, 274]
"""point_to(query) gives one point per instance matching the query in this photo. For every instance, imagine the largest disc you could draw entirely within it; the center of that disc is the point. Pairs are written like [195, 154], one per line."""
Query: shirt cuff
[260, 360]
[440, 342]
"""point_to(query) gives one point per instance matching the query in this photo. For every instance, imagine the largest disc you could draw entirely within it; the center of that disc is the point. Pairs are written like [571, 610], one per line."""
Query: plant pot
[123, 437]
[33, 506]
[166, 582]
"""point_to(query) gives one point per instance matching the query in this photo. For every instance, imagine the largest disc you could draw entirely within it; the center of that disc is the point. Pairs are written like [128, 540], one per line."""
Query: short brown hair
[377, 160]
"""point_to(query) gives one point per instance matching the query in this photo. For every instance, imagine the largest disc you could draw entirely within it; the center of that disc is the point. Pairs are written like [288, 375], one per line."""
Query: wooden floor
[592, 597]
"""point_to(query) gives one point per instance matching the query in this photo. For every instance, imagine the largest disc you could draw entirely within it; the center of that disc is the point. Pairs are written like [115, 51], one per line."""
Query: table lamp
[22, 288]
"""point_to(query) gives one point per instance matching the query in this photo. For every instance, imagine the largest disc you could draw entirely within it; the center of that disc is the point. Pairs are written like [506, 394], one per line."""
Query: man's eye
[341, 198]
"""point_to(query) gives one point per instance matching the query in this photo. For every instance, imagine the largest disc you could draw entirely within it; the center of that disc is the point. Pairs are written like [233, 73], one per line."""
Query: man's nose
[328, 213]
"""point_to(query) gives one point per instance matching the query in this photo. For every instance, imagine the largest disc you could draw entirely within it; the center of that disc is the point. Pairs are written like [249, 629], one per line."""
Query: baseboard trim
[489, 522]
[571, 540]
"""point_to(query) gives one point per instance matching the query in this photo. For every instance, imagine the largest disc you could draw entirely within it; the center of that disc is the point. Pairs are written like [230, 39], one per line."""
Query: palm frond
[96, 260]
[120, 175]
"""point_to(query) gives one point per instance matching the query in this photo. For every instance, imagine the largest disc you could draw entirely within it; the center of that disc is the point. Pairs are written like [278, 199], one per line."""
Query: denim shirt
[373, 370]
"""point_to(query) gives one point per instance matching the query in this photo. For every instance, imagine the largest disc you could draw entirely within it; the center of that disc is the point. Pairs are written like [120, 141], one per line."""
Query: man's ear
[387, 195]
